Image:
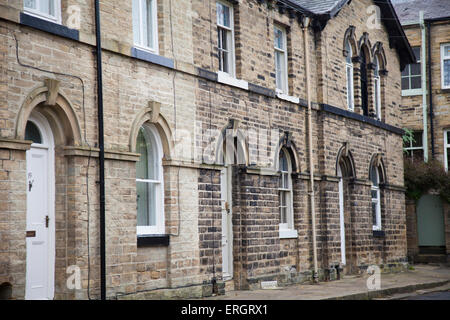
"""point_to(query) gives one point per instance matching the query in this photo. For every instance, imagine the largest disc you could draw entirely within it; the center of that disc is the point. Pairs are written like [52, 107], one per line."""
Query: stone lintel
[14, 144]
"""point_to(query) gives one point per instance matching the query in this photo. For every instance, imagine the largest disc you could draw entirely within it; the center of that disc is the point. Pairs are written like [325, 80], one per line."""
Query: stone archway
[346, 172]
[48, 103]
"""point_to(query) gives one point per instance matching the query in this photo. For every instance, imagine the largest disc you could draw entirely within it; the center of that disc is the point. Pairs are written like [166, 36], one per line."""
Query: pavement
[421, 280]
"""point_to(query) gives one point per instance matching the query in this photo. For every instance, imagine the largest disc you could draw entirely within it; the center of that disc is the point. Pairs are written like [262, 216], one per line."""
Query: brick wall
[190, 106]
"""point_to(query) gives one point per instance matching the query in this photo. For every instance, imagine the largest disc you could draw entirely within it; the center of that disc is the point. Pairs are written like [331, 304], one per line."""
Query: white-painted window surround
[414, 148]
[412, 76]
[280, 47]
[286, 97]
[445, 65]
[377, 89]
[375, 194]
[225, 38]
[447, 150]
[145, 25]
[149, 182]
[285, 190]
[45, 9]
[226, 78]
[349, 75]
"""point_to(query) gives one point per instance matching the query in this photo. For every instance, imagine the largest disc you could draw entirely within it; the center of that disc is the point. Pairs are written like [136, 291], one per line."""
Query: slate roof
[408, 11]
[324, 10]
[321, 6]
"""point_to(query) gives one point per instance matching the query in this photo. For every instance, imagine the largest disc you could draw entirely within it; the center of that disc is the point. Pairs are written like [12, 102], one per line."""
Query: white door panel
[40, 216]
[227, 227]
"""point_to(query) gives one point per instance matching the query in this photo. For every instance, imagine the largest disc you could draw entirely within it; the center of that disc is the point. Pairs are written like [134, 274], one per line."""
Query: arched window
[377, 88]
[149, 182]
[349, 72]
[364, 92]
[375, 194]
[285, 191]
[32, 133]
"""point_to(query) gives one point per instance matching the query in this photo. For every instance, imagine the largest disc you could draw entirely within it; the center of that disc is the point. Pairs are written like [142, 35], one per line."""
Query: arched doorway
[345, 171]
[430, 225]
[342, 214]
[40, 260]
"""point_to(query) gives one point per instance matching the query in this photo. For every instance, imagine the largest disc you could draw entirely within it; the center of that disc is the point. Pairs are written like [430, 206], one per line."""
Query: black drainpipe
[101, 154]
[430, 85]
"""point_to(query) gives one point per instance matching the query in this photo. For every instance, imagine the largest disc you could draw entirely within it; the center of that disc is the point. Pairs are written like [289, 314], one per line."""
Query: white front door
[40, 216]
[227, 224]
[341, 214]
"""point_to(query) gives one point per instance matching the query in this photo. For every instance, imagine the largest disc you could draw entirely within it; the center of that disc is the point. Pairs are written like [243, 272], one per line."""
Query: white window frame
[446, 149]
[412, 148]
[39, 14]
[154, 28]
[349, 73]
[283, 82]
[444, 58]
[286, 230]
[377, 201]
[230, 40]
[417, 91]
[159, 228]
[377, 89]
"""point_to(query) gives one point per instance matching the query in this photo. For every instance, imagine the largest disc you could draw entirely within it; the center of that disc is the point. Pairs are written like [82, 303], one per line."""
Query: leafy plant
[421, 177]
[408, 138]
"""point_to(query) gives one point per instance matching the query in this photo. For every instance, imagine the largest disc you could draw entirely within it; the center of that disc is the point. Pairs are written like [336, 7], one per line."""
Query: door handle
[227, 207]
[47, 219]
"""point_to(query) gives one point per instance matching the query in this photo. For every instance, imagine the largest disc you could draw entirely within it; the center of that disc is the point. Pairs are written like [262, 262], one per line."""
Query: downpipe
[101, 144]
[305, 28]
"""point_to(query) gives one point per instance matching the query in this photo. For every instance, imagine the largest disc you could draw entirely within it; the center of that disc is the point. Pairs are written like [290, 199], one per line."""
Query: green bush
[421, 177]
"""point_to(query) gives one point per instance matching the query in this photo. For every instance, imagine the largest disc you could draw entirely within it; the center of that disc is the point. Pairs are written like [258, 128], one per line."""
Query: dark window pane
[416, 51]
[446, 72]
[417, 135]
[416, 82]
[415, 69]
[448, 158]
[405, 83]
[405, 71]
[142, 164]
[32, 133]
[374, 213]
[417, 155]
[374, 176]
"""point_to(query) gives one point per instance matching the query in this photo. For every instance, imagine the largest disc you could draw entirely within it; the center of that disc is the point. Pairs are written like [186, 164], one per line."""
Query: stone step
[431, 258]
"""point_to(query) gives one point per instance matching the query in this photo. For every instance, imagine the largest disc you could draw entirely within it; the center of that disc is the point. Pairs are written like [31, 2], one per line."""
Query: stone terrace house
[243, 141]
[425, 109]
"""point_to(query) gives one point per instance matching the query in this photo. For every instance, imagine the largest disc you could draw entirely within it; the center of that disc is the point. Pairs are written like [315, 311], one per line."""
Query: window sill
[149, 240]
[289, 98]
[45, 25]
[412, 92]
[378, 233]
[225, 78]
[288, 234]
[152, 57]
